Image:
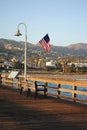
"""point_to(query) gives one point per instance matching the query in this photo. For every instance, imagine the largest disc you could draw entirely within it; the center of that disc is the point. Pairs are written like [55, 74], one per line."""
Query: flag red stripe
[45, 45]
[45, 42]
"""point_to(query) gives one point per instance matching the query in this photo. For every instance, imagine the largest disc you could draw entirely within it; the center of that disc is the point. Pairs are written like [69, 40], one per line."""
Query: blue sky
[64, 20]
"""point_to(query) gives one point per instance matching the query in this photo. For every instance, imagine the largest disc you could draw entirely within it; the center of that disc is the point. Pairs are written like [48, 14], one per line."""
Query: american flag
[45, 42]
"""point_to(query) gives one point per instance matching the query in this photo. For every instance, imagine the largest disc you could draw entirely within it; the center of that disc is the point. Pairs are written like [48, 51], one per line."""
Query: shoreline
[62, 76]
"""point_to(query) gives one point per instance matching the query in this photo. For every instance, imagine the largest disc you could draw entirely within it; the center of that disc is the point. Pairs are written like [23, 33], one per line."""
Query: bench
[40, 88]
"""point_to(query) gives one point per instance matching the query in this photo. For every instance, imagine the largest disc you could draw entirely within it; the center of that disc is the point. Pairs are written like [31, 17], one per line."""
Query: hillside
[12, 47]
[78, 46]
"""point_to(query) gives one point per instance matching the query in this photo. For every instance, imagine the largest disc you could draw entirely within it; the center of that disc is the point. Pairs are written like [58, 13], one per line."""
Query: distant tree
[64, 64]
[19, 65]
[73, 68]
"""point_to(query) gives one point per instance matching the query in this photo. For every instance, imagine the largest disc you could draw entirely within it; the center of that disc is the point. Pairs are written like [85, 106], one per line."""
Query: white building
[50, 64]
[78, 64]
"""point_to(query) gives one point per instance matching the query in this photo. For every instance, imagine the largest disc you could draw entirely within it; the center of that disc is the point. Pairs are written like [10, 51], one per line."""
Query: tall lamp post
[19, 34]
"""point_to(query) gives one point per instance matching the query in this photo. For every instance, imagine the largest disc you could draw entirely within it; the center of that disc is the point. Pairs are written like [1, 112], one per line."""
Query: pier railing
[73, 90]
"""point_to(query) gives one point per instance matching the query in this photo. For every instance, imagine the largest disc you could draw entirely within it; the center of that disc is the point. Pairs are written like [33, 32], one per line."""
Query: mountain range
[8, 46]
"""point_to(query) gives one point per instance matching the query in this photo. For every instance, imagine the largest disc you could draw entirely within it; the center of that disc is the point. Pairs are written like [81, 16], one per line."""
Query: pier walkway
[19, 112]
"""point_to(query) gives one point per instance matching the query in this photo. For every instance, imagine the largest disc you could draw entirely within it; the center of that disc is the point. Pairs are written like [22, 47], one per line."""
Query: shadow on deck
[18, 112]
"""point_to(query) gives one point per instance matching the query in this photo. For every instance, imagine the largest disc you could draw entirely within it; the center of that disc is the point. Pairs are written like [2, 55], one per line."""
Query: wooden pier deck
[18, 112]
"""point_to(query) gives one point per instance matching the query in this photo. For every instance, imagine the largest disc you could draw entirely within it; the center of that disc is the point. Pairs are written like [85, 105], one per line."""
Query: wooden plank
[18, 112]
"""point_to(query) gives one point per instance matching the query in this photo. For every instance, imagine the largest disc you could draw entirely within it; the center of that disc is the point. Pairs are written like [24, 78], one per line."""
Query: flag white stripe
[45, 42]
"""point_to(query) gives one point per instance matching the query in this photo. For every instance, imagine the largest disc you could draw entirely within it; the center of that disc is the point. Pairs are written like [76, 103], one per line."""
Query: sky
[64, 20]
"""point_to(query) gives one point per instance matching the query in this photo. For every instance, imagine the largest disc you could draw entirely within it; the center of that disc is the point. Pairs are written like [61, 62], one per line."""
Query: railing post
[45, 89]
[20, 85]
[12, 82]
[21, 90]
[59, 85]
[0, 80]
[73, 93]
[19, 82]
[28, 92]
[36, 93]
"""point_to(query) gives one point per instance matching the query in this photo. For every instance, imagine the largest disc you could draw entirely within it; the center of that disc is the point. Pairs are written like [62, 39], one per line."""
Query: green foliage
[73, 68]
[19, 65]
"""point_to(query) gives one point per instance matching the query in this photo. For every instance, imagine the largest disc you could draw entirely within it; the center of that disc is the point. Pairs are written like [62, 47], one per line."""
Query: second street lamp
[19, 34]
